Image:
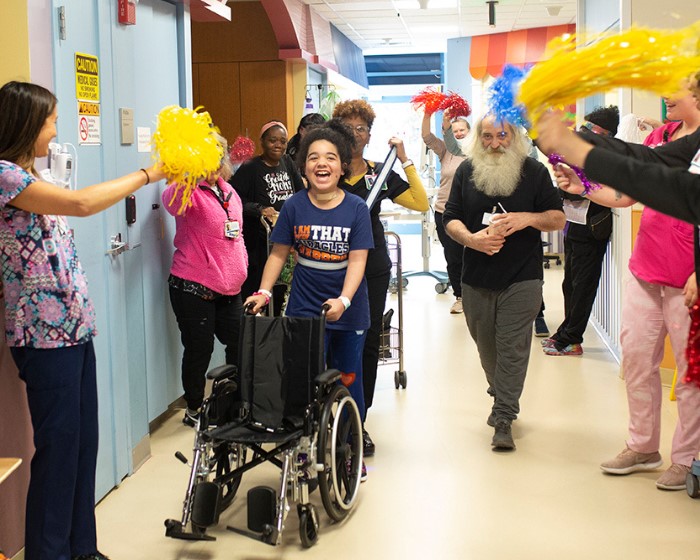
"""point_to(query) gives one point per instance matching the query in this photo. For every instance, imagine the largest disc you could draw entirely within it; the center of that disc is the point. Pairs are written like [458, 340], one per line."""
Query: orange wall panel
[264, 96]
[248, 36]
[219, 91]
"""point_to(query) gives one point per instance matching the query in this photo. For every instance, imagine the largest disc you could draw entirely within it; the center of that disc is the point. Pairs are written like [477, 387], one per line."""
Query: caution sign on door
[87, 77]
[89, 127]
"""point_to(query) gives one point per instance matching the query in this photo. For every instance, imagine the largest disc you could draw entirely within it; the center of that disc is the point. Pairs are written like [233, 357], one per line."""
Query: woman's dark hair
[605, 117]
[24, 108]
[337, 133]
[312, 119]
[307, 122]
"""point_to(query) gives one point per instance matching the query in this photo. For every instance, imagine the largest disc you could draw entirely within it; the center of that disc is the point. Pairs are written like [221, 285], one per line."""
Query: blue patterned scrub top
[46, 296]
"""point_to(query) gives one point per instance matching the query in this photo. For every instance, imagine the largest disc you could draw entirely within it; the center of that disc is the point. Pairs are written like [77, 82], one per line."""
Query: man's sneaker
[363, 474]
[673, 478]
[548, 342]
[629, 461]
[190, 418]
[457, 308]
[541, 328]
[368, 446]
[502, 437]
[569, 350]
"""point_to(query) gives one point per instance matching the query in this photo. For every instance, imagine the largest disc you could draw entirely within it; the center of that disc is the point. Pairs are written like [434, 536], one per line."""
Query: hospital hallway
[435, 488]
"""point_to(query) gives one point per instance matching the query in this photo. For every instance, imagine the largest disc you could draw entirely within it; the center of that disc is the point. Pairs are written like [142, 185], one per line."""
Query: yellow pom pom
[187, 148]
[658, 61]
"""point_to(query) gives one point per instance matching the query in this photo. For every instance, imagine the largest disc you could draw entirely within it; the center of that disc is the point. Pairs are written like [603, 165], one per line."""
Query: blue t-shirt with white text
[325, 236]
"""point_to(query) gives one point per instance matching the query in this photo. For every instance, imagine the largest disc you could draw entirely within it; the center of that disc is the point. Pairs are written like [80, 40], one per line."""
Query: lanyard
[218, 193]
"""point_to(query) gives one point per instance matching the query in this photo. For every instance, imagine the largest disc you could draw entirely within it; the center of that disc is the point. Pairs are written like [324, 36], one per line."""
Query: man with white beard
[500, 202]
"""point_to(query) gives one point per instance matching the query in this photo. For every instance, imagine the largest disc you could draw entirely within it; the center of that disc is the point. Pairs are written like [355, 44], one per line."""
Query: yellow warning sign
[85, 108]
[87, 77]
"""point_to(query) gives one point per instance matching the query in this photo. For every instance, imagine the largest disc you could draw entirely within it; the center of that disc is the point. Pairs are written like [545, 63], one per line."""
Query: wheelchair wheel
[228, 459]
[308, 525]
[340, 449]
[692, 485]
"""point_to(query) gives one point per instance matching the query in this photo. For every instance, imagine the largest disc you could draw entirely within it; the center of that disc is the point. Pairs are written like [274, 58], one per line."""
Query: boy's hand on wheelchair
[257, 303]
[337, 308]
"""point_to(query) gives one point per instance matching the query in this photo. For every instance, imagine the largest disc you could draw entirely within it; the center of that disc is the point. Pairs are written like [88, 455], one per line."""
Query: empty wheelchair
[281, 407]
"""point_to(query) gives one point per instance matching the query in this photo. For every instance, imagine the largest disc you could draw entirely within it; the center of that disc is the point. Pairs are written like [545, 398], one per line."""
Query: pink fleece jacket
[203, 253]
[663, 252]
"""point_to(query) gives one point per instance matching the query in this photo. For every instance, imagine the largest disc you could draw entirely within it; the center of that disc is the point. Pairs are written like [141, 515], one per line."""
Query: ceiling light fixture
[423, 4]
[553, 10]
[492, 12]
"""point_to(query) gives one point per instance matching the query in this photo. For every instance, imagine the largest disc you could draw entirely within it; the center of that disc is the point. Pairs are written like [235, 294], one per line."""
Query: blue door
[136, 345]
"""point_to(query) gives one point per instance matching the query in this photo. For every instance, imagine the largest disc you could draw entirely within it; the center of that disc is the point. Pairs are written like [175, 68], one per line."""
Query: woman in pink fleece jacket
[209, 268]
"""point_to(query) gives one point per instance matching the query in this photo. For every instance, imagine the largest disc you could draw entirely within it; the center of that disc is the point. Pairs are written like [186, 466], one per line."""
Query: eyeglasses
[595, 128]
[362, 130]
[488, 137]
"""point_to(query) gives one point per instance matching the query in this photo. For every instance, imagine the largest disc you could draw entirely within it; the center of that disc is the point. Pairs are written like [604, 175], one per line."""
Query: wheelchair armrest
[222, 372]
[327, 377]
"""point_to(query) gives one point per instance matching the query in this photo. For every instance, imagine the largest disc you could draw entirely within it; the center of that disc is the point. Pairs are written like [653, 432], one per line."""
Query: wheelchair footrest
[262, 508]
[205, 504]
[174, 530]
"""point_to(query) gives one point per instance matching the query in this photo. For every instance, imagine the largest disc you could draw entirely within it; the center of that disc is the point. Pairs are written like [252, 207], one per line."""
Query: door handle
[116, 246]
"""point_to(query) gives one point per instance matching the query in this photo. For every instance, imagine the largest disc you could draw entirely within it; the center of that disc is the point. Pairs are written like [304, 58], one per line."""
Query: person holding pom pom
[410, 193]
[209, 267]
[449, 163]
[50, 323]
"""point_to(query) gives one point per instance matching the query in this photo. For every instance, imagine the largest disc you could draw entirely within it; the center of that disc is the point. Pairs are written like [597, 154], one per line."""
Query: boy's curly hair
[355, 108]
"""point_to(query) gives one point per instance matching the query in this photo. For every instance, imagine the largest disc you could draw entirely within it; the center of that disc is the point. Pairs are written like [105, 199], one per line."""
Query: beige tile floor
[435, 488]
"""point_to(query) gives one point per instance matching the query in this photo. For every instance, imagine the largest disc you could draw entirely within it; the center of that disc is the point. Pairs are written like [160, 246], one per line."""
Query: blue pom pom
[501, 96]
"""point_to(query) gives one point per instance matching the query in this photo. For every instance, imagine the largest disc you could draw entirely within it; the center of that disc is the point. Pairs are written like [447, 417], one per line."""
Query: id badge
[486, 220]
[369, 181]
[232, 229]
[576, 210]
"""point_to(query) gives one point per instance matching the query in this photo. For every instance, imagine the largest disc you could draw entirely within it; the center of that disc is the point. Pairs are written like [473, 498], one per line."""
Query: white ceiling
[401, 26]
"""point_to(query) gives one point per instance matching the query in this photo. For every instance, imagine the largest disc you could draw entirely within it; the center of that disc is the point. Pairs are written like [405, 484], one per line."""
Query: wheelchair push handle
[324, 309]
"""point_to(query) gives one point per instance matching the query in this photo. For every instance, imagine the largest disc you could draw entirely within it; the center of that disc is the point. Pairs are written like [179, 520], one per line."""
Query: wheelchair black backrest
[279, 359]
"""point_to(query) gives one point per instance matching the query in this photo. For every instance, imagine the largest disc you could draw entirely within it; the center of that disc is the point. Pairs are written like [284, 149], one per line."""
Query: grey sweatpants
[500, 322]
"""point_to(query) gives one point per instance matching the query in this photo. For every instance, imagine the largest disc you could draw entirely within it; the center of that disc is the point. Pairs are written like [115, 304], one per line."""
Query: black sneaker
[541, 328]
[502, 437]
[368, 446]
[491, 420]
[190, 418]
[94, 556]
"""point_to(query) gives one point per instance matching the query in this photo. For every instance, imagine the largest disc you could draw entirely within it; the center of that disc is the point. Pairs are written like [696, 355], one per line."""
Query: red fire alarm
[127, 12]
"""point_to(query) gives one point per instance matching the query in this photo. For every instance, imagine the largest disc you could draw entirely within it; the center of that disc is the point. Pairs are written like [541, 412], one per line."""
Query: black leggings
[199, 321]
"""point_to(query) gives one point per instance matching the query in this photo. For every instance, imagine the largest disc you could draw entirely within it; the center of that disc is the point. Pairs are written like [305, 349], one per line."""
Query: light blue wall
[457, 76]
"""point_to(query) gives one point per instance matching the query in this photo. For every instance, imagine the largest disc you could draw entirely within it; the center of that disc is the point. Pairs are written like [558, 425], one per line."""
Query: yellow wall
[14, 41]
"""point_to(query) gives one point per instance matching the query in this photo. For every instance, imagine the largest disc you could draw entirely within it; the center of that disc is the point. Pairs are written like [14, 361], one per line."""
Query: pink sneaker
[570, 350]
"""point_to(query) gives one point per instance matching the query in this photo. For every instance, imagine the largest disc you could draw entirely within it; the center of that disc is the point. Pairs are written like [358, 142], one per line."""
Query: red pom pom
[242, 149]
[456, 105]
[429, 99]
[692, 352]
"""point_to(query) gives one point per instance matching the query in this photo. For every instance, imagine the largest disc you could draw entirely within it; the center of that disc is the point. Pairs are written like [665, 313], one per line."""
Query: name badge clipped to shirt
[232, 229]
[370, 178]
[576, 210]
[486, 220]
[695, 164]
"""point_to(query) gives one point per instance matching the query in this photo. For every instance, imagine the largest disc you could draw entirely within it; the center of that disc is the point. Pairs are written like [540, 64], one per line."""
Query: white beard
[497, 174]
